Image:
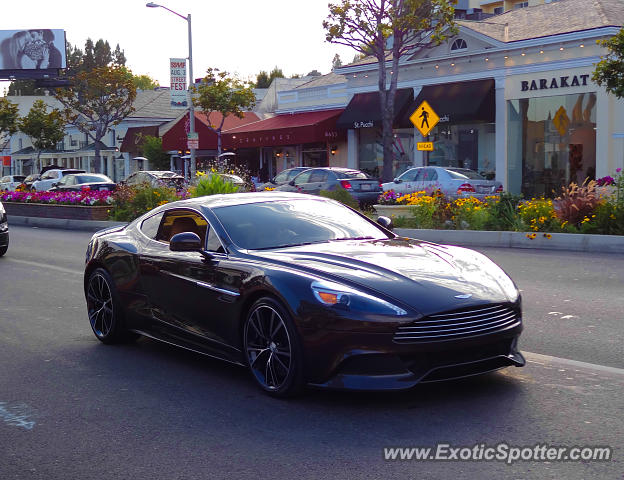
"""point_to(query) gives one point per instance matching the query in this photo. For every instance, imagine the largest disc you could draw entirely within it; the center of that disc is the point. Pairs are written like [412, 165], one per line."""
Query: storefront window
[314, 155]
[371, 151]
[551, 143]
[464, 145]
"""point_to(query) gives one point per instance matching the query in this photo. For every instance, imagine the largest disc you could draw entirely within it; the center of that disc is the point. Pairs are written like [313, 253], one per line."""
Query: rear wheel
[104, 309]
[272, 349]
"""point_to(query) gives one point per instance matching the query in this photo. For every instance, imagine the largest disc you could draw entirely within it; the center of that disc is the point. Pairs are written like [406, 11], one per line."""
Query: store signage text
[368, 124]
[555, 82]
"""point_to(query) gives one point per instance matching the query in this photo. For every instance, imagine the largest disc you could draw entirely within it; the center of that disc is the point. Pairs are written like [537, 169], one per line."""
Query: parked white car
[51, 177]
[452, 182]
[10, 182]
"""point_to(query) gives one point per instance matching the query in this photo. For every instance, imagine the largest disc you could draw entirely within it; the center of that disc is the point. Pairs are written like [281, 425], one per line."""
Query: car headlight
[335, 294]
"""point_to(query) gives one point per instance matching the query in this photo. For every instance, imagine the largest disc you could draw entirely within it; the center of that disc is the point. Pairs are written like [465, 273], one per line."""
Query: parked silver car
[155, 178]
[452, 182]
[10, 182]
[49, 178]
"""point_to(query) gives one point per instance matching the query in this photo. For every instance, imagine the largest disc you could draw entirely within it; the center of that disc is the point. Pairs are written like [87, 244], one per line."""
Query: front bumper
[363, 361]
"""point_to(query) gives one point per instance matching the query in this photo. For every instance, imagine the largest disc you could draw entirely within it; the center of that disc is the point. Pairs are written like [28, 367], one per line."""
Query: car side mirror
[185, 242]
[55, 184]
[385, 222]
[398, 180]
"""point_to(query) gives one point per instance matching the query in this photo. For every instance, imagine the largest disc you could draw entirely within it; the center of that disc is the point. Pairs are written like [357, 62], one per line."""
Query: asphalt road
[72, 408]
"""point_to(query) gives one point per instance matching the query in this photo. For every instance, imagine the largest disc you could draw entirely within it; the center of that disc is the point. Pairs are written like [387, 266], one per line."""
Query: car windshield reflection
[278, 224]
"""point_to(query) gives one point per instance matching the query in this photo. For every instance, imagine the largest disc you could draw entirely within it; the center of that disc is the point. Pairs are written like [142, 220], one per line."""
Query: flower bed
[587, 208]
[84, 198]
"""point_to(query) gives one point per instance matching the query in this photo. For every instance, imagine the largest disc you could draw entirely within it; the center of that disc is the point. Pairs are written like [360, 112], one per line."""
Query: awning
[286, 129]
[364, 109]
[457, 102]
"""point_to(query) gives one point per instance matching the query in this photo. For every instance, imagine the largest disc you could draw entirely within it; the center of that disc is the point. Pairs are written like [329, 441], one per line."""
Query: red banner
[6, 160]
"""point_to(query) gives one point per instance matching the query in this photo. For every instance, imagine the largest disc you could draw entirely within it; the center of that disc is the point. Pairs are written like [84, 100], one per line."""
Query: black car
[302, 290]
[364, 189]
[76, 182]
[4, 231]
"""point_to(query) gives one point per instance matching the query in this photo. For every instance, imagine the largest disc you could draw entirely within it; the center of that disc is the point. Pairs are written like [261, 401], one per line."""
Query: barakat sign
[555, 82]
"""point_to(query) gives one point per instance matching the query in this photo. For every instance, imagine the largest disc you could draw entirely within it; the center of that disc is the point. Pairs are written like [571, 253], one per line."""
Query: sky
[239, 36]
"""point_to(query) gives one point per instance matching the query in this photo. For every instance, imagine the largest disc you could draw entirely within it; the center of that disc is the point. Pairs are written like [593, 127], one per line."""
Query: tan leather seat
[186, 224]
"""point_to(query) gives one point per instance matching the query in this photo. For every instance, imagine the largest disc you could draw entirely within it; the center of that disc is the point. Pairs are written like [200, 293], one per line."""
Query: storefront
[551, 131]
[362, 118]
[465, 136]
[308, 139]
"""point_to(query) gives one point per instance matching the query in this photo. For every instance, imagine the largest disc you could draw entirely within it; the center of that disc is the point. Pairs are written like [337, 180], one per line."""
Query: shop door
[468, 149]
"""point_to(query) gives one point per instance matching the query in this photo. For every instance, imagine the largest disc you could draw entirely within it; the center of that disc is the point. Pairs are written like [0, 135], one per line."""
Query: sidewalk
[464, 238]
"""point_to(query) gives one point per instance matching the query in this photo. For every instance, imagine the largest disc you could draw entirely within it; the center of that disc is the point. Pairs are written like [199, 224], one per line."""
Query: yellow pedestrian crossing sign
[424, 118]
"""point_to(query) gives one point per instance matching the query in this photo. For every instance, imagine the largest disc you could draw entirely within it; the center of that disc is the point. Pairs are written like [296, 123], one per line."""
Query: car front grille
[464, 322]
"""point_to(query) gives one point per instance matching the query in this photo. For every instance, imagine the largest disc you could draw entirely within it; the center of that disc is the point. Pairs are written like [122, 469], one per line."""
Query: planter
[77, 212]
[394, 210]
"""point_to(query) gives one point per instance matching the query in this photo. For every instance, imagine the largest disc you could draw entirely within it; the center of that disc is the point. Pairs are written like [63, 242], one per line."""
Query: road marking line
[40, 265]
[538, 358]
[17, 415]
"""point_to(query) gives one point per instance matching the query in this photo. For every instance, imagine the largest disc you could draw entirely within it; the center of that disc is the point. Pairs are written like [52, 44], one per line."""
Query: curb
[62, 223]
[558, 241]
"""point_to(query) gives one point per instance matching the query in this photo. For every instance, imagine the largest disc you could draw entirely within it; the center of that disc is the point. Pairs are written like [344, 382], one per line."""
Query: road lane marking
[541, 359]
[40, 265]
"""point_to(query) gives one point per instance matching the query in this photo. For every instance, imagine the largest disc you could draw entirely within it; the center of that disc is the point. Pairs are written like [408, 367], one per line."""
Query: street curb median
[62, 223]
[547, 241]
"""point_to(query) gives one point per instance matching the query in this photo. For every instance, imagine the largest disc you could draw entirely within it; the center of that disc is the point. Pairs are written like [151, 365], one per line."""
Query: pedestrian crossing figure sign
[424, 118]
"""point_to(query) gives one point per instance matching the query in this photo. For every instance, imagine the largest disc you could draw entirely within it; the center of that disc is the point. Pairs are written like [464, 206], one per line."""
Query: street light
[190, 98]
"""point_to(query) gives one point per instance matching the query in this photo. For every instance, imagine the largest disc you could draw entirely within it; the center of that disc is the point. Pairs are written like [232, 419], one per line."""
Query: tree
[8, 117]
[263, 80]
[45, 129]
[314, 73]
[275, 73]
[336, 62]
[389, 30]
[144, 82]
[98, 100]
[225, 94]
[610, 69]
[152, 149]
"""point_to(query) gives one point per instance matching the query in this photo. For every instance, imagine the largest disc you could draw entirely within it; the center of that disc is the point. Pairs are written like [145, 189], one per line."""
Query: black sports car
[302, 290]
[4, 231]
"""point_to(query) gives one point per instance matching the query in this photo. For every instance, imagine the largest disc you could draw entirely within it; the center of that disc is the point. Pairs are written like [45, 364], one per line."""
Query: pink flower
[618, 170]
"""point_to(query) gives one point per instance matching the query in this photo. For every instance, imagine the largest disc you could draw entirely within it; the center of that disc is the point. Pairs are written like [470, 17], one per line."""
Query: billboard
[179, 97]
[35, 49]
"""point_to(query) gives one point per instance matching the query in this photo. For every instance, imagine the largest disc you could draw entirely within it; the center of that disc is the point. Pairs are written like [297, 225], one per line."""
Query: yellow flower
[548, 235]
[162, 202]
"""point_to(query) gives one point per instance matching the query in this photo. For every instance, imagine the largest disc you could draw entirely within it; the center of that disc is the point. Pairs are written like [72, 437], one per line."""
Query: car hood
[425, 276]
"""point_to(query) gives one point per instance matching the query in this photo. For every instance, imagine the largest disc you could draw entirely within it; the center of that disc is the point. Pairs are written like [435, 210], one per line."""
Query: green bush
[340, 195]
[132, 202]
[212, 185]
[504, 214]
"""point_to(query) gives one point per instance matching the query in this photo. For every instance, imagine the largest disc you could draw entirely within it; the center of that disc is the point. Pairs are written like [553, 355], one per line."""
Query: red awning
[287, 129]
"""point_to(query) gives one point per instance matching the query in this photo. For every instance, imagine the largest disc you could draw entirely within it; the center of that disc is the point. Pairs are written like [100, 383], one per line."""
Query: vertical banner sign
[179, 98]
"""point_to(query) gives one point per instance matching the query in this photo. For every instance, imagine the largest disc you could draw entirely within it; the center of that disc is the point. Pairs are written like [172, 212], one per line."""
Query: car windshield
[463, 174]
[91, 178]
[293, 222]
[164, 174]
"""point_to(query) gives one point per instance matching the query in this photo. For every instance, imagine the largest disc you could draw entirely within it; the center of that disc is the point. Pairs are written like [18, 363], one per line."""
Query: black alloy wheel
[272, 349]
[104, 310]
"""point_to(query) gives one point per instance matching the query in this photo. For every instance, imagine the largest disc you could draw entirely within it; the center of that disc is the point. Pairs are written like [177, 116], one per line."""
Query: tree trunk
[97, 159]
[218, 143]
[38, 162]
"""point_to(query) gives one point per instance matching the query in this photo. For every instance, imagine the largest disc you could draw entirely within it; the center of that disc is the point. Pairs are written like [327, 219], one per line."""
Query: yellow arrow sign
[424, 118]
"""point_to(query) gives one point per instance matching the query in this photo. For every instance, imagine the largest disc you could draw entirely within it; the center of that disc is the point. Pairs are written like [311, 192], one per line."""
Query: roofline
[513, 45]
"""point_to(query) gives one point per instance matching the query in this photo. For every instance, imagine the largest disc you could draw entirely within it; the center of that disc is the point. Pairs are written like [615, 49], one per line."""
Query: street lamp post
[189, 93]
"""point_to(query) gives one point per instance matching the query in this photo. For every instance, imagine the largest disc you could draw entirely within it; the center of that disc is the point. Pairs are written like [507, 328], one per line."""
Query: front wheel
[104, 309]
[272, 349]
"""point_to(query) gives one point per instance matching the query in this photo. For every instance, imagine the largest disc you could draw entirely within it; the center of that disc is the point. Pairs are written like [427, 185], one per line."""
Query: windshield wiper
[352, 238]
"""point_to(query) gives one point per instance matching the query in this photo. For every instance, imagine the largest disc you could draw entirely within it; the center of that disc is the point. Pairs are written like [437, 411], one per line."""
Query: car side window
[318, 176]
[303, 177]
[47, 175]
[430, 175]
[65, 181]
[5, 179]
[213, 243]
[181, 220]
[150, 225]
[281, 177]
[409, 176]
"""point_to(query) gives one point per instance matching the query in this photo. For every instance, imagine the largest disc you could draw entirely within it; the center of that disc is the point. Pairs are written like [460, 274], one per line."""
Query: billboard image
[35, 49]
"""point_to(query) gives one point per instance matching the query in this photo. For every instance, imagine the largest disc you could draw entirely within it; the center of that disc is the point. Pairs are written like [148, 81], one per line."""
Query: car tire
[272, 349]
[3, 250]
[104, 309]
